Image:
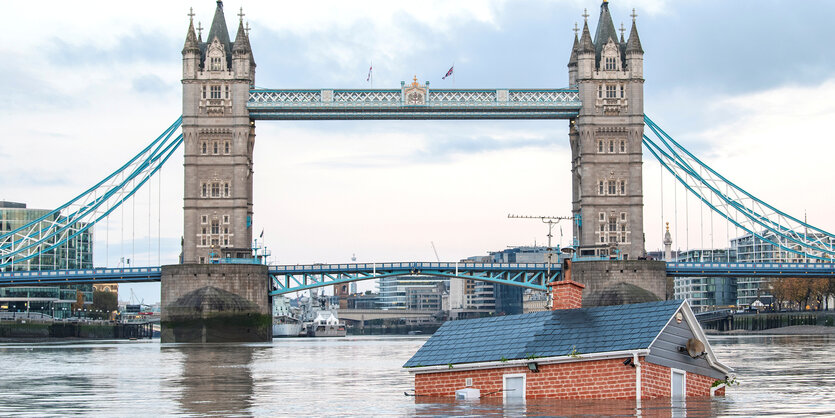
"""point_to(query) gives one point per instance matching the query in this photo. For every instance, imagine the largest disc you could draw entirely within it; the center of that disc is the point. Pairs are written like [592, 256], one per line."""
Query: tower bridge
[603, 103]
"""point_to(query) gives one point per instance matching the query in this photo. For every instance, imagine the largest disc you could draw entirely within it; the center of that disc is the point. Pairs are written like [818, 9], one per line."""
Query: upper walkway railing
[269, 104]
[295, 277]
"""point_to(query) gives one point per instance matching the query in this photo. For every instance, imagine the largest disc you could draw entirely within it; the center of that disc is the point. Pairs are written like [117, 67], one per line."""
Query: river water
[359, 376]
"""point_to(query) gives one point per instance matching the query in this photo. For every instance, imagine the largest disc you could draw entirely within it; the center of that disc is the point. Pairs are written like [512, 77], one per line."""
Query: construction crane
[550, 220]
[435, 250]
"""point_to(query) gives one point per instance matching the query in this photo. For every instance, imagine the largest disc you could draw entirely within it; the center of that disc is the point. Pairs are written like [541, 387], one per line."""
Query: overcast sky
[746, 85]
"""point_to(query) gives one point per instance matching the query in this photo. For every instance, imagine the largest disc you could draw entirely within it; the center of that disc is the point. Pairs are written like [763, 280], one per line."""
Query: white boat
[326, 324]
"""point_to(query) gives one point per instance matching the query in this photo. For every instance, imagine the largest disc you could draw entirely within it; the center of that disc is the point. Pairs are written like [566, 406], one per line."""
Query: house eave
[523, 362]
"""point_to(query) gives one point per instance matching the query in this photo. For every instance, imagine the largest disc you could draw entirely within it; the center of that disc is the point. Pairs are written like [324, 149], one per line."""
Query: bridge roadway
[293, 278]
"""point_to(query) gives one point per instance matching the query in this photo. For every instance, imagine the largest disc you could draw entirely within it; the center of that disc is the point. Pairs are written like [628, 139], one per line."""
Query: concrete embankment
[38, 330]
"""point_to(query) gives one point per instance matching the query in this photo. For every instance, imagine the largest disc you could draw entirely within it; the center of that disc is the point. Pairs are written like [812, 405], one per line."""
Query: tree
[104, 301]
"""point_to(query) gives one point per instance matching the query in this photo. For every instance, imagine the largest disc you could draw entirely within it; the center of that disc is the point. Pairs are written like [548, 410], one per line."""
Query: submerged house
[639, 351]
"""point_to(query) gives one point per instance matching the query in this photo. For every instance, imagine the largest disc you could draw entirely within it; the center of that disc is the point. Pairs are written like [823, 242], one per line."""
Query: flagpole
[453, 74]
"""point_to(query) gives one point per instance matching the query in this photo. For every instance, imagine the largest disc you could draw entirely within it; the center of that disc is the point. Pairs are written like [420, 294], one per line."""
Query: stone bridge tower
[219, 140]
[606, 140]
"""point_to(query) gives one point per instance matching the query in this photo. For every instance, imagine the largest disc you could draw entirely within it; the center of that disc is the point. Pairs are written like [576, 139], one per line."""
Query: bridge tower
[606, 140]
[219, 140]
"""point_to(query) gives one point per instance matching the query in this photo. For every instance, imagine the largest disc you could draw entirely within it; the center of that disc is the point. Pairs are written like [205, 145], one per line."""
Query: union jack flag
[369, 73]
[448, 73]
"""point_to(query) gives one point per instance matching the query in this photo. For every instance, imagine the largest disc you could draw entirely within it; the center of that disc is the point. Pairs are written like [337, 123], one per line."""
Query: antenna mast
[550, 220]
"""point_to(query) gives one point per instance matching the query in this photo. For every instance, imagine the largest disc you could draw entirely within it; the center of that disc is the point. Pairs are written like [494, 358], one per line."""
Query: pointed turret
[634, 42]
[572, 61]
[634, 51]
[191, 51]
[218, 30]
[574, 49]
[586, 44]
[605, 31]
[244, 63]
[192, 43]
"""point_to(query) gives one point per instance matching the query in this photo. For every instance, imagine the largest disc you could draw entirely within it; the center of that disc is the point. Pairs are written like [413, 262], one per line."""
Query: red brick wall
[597, 379]
[655, 382]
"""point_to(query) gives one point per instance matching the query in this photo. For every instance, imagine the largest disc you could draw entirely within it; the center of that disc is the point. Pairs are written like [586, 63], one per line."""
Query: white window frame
[524, 385]
[683, 380]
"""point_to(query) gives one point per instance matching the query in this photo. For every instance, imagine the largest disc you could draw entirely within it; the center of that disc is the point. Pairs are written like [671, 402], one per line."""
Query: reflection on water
[214, 380]
[359, 376]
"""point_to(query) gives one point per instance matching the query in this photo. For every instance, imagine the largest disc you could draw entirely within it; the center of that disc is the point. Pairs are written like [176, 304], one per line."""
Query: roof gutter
[524, 362]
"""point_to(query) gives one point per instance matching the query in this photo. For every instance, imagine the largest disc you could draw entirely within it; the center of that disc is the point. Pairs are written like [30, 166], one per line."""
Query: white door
[514, 387]
[677, 383]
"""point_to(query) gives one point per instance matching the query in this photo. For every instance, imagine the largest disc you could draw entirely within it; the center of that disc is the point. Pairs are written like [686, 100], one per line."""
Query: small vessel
[319, 317]
[326, 324]
[285, 321]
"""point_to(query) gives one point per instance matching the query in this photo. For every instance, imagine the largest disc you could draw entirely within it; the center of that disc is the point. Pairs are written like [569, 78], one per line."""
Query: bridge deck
[269, 104]
[292, 278]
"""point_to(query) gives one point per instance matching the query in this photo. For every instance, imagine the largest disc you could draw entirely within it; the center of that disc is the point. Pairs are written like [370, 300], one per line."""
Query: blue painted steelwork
[293, 278]
[55, 228]
[344, 104]
[81, 276]
[683, 165]
[288, 279]
[719, 269]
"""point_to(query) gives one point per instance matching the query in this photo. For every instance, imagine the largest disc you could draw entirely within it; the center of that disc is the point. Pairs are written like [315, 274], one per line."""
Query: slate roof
[546, 334]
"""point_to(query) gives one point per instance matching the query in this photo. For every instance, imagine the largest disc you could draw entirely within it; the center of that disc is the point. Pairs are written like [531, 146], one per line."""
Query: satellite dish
[695, 348]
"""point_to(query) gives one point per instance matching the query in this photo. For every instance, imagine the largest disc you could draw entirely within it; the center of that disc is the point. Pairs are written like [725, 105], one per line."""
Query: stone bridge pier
[207, 303]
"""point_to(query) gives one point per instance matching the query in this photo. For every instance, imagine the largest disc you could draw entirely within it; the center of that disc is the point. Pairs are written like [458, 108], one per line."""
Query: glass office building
[75, 253]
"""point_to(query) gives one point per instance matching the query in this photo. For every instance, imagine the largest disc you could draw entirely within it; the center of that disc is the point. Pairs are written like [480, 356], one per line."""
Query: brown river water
[361, 376]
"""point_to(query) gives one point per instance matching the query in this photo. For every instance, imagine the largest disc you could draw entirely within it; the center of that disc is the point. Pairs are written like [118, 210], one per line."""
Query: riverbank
[790, 330]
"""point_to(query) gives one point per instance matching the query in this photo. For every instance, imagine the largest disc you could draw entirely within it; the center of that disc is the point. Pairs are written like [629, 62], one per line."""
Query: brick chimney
[566, 294]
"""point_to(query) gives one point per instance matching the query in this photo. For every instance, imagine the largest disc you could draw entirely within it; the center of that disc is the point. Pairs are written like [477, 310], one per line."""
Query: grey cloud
[137, 47]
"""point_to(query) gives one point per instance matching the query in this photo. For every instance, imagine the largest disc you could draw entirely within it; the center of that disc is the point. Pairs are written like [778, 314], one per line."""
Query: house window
[214, 147]
[600, 189]
[602, 228]
[623, 216]
[215, 64]
[204, 92]
[203, 147]
[215, 227]
[202, 260]
[204, 219]
[622, 146]
[602, 217]
[611, 146]
[225, 189]
[227, 91]
[611, 92]
[215, 91]
[599, 146]
[600, 91]
[611, 187]
[226, 219]
[215, 189]
[204, 190]
[621, 91]
[613, 224]
[203, 240]
[622, 187]
[226, 241]
[226, 147]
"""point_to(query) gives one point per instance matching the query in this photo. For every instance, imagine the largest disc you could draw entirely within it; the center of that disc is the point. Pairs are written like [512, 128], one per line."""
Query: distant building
[395, 291]
[363, 301]
[420, 298]
[705, 293]
[76, 253]
[752, 249]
